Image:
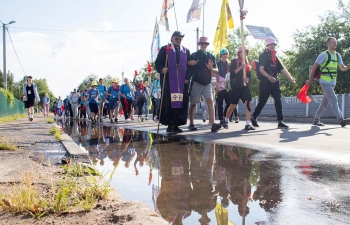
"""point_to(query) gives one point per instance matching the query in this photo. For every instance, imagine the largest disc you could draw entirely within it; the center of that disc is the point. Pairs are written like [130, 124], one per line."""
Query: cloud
[56, 49]
[107, 26]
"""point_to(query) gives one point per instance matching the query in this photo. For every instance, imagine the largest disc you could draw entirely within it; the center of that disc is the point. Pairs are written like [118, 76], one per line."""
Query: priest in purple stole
[175, 96]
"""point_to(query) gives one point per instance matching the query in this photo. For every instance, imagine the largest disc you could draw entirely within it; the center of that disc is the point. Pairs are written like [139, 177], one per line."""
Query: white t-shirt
[322, 59]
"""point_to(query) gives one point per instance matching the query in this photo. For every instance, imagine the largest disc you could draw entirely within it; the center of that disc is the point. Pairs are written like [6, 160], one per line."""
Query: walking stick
[161, 98]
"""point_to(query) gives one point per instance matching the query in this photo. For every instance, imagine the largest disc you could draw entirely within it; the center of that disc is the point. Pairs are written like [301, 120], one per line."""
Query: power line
[15, 51]
[90, 31]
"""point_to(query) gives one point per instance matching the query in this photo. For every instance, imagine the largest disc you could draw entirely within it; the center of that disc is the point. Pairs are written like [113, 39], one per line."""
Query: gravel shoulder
[40, 155]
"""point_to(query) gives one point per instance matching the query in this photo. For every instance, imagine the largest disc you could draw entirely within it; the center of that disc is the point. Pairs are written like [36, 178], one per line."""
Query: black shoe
[101, 120]
[230, 120]
[192, 127]
[254, 122]
[317, 123]
[215, 127]
[112, 121]
[169, 129]
[225, 124]
[204, 120]
[249, 127]
[344, 122]
[237, 120]
[176, 129]
[115, 120]
[282, 125]
[222, 122]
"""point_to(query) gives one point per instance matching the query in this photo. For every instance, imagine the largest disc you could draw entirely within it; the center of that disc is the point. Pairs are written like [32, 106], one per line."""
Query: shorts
[240, 93]
[29, 103]
[113, 104]
[93, 107]
[197, 90]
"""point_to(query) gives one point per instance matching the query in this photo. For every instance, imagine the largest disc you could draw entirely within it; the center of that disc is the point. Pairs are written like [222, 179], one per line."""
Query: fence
[6, 110]
[292, 107]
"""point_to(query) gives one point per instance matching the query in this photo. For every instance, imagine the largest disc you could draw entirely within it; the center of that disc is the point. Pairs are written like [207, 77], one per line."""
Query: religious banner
[260, 32]
[195, 11]
[155, 47]
[167, 4]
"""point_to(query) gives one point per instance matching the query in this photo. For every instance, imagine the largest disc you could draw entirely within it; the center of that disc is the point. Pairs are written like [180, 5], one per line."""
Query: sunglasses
[178, 39]
[203, 43]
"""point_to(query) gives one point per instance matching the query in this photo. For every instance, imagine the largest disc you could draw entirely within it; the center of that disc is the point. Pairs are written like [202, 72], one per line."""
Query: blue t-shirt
[125, 90]
[114, 92]
[82, 97]
[101, 89]
[93, 95]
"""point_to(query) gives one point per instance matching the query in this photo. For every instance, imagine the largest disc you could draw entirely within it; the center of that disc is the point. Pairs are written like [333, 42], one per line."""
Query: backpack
[256, 66]
[318, 71]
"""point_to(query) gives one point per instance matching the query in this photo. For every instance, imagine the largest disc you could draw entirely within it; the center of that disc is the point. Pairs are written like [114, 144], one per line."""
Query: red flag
[303, 94]
[149, 68]
[136, 73]
[121, 112]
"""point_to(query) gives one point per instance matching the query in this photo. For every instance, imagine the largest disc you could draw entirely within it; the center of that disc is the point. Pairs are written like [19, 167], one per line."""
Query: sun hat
[223, 51]
[270, 41]
[203, 40]
[240, 49]
[94, 83]
[114, 80]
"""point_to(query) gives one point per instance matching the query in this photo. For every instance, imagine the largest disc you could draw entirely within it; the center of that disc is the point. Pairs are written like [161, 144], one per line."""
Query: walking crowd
[184, 79]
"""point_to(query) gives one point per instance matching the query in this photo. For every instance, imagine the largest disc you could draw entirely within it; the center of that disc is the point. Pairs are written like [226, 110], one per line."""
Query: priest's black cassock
[174, 113]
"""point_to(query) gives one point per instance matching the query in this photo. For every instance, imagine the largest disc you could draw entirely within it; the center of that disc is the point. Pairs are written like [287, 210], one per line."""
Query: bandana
[273, 57]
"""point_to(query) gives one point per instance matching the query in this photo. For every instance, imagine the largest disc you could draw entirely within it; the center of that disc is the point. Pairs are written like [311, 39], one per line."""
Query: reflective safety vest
[329, 67]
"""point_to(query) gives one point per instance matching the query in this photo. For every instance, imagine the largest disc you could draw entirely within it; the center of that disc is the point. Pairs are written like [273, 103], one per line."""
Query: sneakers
[254, 122]
[155, 119]
[176, 129]
[230, 120]
[112, 121]
[249, 127]
[192, 127]
[169, 129]
[101, 120]
[127, 120]
[146, 118]
[224, 124]
[141, 119]
[317, 123]
[282, 125]
[237, 120]
[215, 127]
[115, 120]
[344, 122]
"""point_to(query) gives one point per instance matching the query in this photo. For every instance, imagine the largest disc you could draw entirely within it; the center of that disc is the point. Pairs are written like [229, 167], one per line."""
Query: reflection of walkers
[328, 62]
[30, 95]
[171, 63]
[125, 95]
[270, 65]
[203, 196]
[46, 105]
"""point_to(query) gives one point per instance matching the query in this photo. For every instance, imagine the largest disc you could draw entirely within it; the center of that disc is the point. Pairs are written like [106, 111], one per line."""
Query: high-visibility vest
[329, 71]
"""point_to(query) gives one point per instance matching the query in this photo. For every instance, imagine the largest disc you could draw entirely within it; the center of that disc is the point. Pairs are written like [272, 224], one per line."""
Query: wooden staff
[161, 98]
[242, 14]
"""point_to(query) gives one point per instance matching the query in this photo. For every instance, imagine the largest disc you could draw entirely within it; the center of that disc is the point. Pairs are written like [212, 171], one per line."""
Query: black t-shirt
[266, 61]
[30, 92]
[236, 79]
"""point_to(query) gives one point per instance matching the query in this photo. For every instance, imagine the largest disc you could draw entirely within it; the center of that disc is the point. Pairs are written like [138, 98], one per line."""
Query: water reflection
[187, 182]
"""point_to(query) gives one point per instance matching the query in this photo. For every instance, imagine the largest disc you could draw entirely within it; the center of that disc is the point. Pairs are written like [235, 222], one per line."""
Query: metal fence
[292, 107]
[6, 110]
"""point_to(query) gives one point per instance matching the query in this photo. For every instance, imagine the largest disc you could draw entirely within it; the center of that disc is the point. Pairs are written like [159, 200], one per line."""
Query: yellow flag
[220, 40]
[231, 24]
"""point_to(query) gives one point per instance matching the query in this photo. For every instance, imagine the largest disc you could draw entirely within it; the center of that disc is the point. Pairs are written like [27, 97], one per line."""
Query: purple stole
[177, 75]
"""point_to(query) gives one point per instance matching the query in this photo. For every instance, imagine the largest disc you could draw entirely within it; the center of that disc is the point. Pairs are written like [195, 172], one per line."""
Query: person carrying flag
[171, 63]
[328, 80]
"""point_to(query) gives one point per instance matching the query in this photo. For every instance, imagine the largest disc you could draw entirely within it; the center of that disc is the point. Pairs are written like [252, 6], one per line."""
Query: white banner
[195, 11]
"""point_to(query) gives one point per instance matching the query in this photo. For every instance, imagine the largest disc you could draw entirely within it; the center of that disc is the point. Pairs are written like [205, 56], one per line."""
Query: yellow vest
[329, 72]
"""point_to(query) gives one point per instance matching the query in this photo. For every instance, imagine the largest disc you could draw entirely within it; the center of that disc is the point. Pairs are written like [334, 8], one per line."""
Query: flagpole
[242, 14]
[203, 20]
[177, 28]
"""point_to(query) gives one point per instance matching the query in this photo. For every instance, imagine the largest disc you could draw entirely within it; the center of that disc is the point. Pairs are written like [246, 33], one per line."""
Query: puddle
[188, 182]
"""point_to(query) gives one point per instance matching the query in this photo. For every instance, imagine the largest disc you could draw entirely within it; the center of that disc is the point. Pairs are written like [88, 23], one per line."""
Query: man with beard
[171, 63]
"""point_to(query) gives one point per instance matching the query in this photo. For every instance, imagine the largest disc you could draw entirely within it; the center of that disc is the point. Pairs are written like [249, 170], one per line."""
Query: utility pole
[123, 77]
[197, 30]
[4, 52]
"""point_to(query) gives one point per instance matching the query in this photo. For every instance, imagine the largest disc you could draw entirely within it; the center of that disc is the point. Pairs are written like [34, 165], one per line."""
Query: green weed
[56, 132]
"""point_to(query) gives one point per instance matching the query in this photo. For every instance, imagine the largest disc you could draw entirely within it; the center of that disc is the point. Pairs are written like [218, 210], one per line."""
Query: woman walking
[141, 94]
[46, 105]
[125, 95]
[30, 95]
[155, 95]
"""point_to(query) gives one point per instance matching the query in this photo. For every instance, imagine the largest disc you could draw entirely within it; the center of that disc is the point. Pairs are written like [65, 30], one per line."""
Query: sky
[64, 41]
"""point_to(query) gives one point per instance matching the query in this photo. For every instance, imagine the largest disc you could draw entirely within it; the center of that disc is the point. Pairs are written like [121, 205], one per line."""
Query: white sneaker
[139, 119]
[127, 120]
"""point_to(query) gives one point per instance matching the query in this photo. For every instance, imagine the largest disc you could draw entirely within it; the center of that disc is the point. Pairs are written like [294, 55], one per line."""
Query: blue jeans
[145, 107]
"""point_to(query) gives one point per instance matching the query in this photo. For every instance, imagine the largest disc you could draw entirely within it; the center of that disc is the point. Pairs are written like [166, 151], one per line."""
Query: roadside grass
[50, 120]
[6, 119]
[69, 194]
[6, 144]
[56, 132]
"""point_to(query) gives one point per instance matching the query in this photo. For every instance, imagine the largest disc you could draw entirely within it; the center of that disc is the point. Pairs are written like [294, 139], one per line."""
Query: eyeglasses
[203, 43]
[178, 39]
